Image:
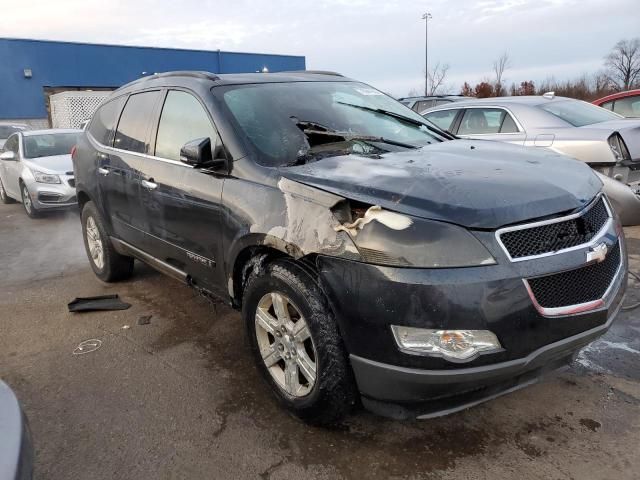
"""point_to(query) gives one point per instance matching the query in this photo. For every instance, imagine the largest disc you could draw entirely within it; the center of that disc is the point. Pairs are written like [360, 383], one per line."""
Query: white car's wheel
[4, 198]
[27, 203]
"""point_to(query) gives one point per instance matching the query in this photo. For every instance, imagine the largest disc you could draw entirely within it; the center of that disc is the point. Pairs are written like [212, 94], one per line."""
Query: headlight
[618, 148]
[383, 237]
[454, 345]
[45, 177]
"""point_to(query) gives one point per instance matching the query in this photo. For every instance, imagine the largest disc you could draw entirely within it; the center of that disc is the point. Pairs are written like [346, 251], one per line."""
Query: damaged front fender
[291, 218]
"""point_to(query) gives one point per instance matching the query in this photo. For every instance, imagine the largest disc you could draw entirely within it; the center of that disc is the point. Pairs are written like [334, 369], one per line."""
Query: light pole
[426, 17]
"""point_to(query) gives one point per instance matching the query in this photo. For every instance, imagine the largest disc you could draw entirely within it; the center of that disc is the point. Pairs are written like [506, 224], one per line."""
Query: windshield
[50, 144]
[579, 113]
[7, 130]
[284, 121]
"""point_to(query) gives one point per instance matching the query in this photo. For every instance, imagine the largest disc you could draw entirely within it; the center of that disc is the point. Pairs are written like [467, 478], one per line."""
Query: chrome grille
[579, 286]
[552, 236]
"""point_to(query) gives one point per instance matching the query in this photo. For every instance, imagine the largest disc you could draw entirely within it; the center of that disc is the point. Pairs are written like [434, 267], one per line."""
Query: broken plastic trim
[395, 221]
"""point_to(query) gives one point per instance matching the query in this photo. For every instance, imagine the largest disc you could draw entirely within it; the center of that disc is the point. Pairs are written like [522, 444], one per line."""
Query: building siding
[81, 65]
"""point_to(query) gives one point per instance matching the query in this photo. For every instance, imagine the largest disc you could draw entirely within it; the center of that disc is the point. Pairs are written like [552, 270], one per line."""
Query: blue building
[31, 70]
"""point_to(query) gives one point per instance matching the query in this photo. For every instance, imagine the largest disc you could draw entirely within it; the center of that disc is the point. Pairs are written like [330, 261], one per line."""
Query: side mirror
[198, 154]
[8, 155]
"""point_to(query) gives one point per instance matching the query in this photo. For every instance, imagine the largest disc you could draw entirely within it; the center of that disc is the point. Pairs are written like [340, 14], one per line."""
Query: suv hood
[476, 184]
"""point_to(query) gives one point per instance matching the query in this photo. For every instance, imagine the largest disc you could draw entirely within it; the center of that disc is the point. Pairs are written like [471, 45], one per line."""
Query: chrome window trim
[142, 155]
[578, 307]
[592, 242]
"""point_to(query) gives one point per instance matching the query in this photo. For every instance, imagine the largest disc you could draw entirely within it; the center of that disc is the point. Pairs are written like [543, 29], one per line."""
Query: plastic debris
[103, 302]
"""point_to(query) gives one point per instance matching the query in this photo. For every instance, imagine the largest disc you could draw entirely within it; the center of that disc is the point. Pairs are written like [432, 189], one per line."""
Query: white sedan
[36, 169]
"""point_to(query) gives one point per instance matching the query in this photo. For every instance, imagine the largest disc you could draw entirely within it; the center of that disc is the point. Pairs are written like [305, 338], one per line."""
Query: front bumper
[52, 196]
[368, 299]
[408, 393]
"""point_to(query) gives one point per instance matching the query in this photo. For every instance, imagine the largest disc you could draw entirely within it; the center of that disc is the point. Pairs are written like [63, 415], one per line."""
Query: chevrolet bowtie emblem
[597, 253]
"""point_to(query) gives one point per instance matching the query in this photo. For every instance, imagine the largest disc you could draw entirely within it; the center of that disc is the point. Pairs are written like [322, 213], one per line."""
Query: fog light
[450, 344]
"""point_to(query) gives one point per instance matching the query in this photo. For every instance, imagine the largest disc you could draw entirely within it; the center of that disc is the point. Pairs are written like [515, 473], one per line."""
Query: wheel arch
[253, 252]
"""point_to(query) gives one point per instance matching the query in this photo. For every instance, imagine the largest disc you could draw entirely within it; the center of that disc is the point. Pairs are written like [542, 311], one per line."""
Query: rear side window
[508, 124]
[104, 120]
[135, 120]
[443, 118]
[183, 119]
[478, 121]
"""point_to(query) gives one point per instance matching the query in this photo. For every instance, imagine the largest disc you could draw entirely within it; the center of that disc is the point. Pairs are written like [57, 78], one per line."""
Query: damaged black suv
[375, 258]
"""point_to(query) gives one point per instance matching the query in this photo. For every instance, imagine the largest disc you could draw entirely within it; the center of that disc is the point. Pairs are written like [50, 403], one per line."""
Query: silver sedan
[36, 169]
[606, 141]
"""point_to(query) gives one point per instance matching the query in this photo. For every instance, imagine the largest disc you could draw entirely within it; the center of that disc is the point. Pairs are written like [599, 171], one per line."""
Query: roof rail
[315, 72]
[177, 73]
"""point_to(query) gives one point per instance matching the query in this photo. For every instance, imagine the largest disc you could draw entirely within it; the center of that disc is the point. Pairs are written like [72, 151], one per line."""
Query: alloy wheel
[285, 344]
[94, 242]
[26, 200]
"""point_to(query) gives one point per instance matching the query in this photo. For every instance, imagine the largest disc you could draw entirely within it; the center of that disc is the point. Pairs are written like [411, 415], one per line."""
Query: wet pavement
[180, 398]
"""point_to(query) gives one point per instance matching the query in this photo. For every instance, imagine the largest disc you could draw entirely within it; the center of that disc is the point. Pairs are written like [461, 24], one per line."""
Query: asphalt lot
[179, 397]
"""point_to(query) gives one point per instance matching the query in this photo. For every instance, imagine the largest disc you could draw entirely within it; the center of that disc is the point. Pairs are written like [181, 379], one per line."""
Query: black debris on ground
[103, 302]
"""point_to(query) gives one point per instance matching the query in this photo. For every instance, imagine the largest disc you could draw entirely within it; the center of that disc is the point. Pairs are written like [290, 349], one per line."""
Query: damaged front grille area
[579, 286]
[555, 235]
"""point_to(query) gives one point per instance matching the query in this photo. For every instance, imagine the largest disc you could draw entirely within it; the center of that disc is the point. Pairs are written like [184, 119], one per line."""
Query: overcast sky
[381, 43]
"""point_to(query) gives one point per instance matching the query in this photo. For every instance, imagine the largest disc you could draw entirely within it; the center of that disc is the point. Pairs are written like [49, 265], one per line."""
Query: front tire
[4, 198]
[28, 205]
[106, 262]
[296, 343]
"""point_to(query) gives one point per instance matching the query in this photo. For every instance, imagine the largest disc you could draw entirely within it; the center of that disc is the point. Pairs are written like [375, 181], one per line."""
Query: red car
[626, 103]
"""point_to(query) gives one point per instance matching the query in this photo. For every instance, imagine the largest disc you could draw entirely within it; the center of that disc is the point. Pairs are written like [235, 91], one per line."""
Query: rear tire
[105, 261]
[29, 208]
[4, 198]
[296, 343]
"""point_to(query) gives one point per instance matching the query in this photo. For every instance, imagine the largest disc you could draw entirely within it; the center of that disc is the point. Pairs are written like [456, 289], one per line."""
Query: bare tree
[623, 63]
[499, 66]
[436, 77]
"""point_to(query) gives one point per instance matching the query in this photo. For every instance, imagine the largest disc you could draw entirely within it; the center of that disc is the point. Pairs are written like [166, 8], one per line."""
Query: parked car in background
[36, 169]
[626, 103]
[8, 129]
[418, 104]
[606, 141]
[372, 257]
[16, 448]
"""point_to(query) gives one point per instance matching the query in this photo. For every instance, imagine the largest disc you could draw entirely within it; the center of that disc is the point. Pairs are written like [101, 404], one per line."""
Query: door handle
[149, 184]
[103, 171]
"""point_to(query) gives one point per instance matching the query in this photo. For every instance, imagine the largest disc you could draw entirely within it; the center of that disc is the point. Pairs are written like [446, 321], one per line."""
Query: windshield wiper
[348, 136]
[315, 128]
[402, 118]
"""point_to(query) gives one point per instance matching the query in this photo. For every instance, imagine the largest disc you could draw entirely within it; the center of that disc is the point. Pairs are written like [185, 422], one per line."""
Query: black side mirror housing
[198, 154]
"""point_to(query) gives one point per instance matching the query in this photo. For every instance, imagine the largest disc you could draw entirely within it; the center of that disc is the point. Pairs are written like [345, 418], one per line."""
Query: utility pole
[426, 17]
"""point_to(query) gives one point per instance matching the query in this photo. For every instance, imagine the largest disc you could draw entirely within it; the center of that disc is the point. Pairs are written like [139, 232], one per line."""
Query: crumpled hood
[477, 184]
[60, 164]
